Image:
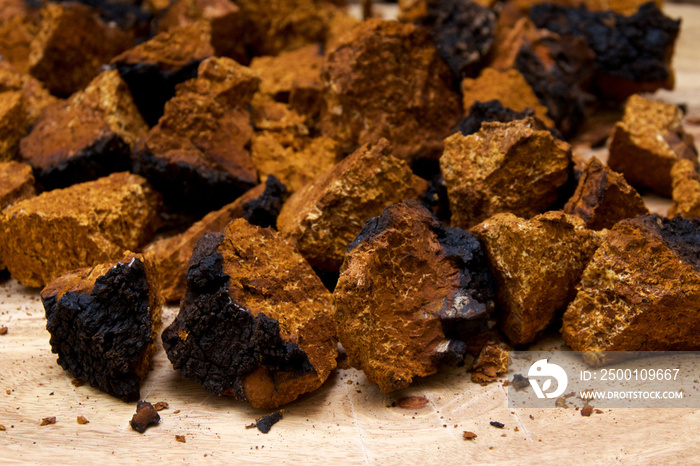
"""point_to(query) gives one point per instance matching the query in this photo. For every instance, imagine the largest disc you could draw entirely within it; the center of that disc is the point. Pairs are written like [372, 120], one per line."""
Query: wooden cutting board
[347, 420]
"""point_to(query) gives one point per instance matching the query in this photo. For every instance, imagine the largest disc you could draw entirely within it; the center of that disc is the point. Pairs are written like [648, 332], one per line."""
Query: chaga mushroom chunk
[197, 155]
[64, 153]
[463, 32]
[103, 322]
[323, 217]
[633, 53]
[260, 206]
[648, 141]
[686, 189]
[71, 45]
[640, 292]
[16, 184]
[386, 80]
[410, 294]
[153, 69]
[86, 224]
[227, 36]
[255, 322]
[603, 197]
[505, 167]
[537, 264]
[509, 87]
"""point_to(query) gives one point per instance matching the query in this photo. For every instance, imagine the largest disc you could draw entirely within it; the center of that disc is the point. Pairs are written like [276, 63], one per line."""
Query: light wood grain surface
[347, 420]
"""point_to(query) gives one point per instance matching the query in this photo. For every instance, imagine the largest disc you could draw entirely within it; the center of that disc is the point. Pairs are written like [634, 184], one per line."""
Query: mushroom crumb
[180, 438]
[82, 420]
[161, 405]
[48, 421]
[145, 417]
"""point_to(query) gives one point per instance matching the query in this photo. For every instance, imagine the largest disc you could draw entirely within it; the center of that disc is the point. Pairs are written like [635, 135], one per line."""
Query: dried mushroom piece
[686, 189]
[386, 79]
[170, 256]
[410, 294]
[71, 45]
[88, 136]
[640, 292]
[463, 32]
[632, 53]
[104, 321]
[603, 197]
[223, 16]
[153, 69]
[509, 87]
[14, 123]
[200, 144]
[505, 167]
[284, 145]
[491, 361]
[22, 99]
[35, 96]
[145, 416]
[322, 218]
[558, 68]
[255, 322]
[294, 78]
[274, 27]
[85, 224]
[537, 264]
[19, 23]
[16, 184]
[648, 141]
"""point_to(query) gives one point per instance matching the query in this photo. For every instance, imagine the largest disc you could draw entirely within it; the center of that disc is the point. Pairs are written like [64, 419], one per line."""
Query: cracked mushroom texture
[647, 142]
[537, 264]
[85, 137]
[322, 218]
[505, 167]
[410, 295]
[255, 322]
[640, 291]
[686, 189]
[386, 80]
[80, 226]
[603, 197]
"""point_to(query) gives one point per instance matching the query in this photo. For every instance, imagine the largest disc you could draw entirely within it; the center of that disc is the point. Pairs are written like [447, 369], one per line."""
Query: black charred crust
[215, 341]
[632, 47]
[463, 32]
[263, 210]
[265, 423]
[559, 87]
[151, 87]
[492, 110]
[466, 314]
[108, 154]
[187, 188]
[681, 235]
[101, 337]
